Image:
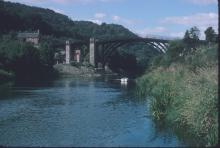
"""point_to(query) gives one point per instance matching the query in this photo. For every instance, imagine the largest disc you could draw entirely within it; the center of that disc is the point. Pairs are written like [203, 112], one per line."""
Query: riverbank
[5, 76]
[185, 94]
[79, 70]
[61, 70]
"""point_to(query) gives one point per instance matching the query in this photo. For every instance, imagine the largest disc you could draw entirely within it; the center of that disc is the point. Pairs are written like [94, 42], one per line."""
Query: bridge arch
[101, 50]
[105, 49]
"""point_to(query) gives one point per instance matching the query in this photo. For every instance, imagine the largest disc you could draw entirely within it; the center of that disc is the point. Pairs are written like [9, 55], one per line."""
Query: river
[78, 112]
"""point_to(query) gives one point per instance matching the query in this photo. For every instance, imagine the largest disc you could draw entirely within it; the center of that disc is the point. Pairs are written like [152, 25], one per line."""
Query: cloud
[162, 32]
[98, 18]
[62, 1]
[99, 22]
[201, 20]
[196, 19]
[202, 2]
[100, 15]
[177, 34]
[150, 31]
[79, 1]
[57, 10]
[28, 2]
[72, 1]
[124, 21]
[115, 18]
[181, 34]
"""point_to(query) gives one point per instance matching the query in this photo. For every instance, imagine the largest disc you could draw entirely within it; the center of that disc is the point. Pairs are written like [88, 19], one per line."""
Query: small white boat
[124, 80]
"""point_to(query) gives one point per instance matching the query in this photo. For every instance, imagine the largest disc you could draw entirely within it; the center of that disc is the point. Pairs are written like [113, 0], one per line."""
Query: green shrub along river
[22, 61]
[184, 91]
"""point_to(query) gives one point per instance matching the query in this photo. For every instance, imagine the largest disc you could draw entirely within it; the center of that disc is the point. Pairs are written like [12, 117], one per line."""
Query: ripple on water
[73, 112]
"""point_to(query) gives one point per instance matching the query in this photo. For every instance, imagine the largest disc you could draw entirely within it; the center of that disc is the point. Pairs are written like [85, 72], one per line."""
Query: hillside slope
[55, 28]
[20, 17]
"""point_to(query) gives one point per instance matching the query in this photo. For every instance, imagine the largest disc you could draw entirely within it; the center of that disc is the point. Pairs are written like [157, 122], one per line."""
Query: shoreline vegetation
[183, 89]
[22, 61]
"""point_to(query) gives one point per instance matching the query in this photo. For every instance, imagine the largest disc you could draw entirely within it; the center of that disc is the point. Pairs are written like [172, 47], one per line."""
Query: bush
[76, 64]
[47, 54]
[5, 76]
[22, 59]
[186, 96]
[87, 64]
[203, 57]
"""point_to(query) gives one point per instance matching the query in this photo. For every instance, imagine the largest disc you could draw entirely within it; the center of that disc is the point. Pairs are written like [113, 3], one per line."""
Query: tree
[187, 38]
[20, 58]
[210, 34]
[191, 39]
[175, 51]
[188, 41]
[194, 33]
[47, 54]
[125, 63]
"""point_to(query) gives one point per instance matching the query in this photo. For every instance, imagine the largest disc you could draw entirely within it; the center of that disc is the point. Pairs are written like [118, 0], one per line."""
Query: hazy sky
[144, 17]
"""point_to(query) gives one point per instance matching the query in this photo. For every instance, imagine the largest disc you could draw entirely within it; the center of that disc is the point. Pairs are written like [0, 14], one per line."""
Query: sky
[170, 18]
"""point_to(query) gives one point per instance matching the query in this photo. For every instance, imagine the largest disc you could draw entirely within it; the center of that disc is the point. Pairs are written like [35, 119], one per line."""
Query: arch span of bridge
[101, 50]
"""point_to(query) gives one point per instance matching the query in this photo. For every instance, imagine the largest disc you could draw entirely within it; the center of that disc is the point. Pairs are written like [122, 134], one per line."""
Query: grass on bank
[185, 92]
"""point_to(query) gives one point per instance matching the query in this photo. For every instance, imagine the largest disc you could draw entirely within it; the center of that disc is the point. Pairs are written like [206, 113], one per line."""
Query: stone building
[31, 37]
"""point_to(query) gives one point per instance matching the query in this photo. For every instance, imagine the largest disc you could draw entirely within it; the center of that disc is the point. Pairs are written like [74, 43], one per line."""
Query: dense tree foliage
[47, 54]
[210, 34]
[194, 33]
[22, 59]
[176, 50]
[179, 50]
[191, 37]
[15, 16]
[124, 63]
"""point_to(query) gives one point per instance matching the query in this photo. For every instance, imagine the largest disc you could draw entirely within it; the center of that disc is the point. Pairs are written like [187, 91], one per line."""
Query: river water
[78, 112]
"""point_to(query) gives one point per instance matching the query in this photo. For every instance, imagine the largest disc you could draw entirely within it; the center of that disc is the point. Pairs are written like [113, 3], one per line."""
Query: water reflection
[78, 112]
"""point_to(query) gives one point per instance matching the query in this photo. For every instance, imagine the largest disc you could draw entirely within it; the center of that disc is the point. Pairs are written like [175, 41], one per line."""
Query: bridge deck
[133, 40]
[128, 40]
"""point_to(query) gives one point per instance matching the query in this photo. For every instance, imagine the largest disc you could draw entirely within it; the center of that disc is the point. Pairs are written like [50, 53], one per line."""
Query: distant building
[30, 37]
